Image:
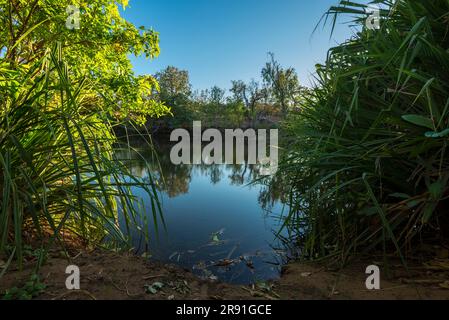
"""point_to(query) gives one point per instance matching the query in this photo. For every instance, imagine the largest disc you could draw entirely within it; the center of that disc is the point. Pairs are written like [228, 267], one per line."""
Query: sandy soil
[302, 281]
[110, 276]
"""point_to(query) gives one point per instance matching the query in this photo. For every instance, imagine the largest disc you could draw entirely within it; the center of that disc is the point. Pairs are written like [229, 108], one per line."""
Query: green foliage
[368, 164]
[62, 93]
[248, 105]
[174, 91]
[97, 51]
[209, 106]
[173, 83]
[30, 290]
[251, 95]
[214, 110]
[282, 83]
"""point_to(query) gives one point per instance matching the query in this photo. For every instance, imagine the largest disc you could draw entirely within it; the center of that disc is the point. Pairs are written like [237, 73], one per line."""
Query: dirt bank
[106, 276]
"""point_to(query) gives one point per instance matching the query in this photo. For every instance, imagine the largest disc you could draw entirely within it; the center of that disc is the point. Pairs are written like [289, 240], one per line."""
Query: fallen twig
[85, 292]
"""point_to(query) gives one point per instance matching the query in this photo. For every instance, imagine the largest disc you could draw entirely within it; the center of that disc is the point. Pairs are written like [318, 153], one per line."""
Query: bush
[368, 164]
[58, 169]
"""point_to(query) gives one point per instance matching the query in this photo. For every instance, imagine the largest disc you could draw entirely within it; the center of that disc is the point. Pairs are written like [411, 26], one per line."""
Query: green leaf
[419, 120]
[400, 195]
[154, 288]
[428, 212]
[414, 203]
[151, 290]
[437, 190]
[158, 285]
[385, 222]
[435, 135]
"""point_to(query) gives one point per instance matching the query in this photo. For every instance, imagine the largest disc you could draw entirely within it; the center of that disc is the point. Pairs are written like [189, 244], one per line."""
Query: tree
[215, 106]
[62, 93]
[173, 83]
[98, 51]
[175, 92]
[250, 94]
[217, 95]
[283, 83]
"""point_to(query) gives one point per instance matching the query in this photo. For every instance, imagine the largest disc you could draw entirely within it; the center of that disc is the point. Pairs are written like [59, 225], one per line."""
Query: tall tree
[217, 95]
[97, 49]
[282, 83]
[250, 94]
[175, 92]
[173, 82]
[61, 82]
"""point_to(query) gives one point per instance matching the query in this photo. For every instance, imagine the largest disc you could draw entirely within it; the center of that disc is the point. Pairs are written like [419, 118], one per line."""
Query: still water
[218, 224]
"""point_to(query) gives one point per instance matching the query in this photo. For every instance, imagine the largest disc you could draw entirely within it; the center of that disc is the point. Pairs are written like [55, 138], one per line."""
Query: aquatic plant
[367, 164]
[61, 98]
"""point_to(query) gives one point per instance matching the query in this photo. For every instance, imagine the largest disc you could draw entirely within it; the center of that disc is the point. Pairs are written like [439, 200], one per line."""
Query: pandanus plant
[368, 164]
[58, 170]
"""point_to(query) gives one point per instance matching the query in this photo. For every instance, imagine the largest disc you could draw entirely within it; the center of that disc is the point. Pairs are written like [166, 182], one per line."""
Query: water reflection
[219, 224]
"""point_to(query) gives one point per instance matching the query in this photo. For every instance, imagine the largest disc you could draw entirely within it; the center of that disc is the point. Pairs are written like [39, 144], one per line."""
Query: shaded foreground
[111, 276]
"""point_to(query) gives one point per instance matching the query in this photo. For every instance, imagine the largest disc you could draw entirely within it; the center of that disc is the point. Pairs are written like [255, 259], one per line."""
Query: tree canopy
[173, 82]
[98, 50]
[283, 83]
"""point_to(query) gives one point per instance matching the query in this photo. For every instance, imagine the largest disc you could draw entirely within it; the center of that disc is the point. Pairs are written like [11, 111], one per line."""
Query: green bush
[62, 93]
[58, 169]
[368, 164]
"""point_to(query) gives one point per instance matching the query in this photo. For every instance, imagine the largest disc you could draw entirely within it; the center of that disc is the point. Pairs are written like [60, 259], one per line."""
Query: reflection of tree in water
[242, 174]
[215, 175]
[272, 192]
[174, 180]
[145, 158]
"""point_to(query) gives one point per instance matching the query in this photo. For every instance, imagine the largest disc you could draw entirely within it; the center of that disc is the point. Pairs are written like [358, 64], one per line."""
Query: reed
[58, 170]
[368, 166]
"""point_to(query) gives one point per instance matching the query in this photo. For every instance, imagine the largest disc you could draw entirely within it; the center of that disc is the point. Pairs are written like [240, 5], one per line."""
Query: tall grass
[58, 172]
[368, 166]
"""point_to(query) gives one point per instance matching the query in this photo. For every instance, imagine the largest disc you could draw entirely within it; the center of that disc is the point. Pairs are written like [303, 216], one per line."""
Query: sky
[222, 40]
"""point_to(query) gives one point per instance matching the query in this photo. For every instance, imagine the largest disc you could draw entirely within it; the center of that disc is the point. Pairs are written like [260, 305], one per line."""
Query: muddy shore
[111, 276]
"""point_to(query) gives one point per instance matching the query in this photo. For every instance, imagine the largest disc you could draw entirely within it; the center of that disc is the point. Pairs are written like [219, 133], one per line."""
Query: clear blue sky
[222, 40]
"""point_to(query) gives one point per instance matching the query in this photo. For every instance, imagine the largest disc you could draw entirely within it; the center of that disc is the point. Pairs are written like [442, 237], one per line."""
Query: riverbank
[112, 276]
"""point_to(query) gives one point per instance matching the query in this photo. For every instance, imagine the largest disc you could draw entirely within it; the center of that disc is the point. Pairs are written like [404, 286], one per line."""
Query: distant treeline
[253, 104]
